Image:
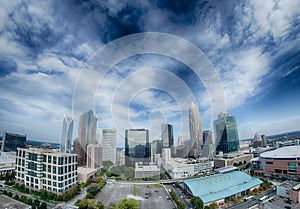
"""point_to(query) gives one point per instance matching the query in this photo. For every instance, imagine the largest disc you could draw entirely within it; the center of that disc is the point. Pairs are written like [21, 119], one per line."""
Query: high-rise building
[86, 133]
[137, 147]
[180, 140]
[77, 148]
[195, 131]
[207, 147]
[226, 134]
[45, 169]
[11, 141]
[109, 137]
[156, 147]
[94, 156]
[66, 134]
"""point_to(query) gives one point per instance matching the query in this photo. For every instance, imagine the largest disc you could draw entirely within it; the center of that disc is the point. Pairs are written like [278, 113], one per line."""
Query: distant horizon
[273, 135]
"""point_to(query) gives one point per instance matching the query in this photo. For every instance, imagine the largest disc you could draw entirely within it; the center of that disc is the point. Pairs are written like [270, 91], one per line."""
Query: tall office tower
[156, 147]
[195, 131]
[46, 169]
[86, 132]
[77, 149]
[167, 137]
[10, 142]
[109, 137]
[94, 156]
[137, 147]
[207, 147]
[226, 134]
[66, 134]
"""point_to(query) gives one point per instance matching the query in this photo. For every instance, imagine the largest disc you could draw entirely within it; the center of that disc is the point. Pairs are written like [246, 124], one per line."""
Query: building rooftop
[46, 151]
[220, 186]
[283, 152]
[226, 169]
[85, 171]
[9, 203]
[7, 158]
[147, 168]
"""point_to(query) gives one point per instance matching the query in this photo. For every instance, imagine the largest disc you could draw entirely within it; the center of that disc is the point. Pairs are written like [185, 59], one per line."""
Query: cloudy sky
[66, 57]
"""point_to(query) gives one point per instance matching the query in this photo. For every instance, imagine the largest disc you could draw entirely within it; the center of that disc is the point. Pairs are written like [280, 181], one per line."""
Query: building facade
[137, 147]
[66, 134]
[207, 149]
[86, 134]
[109, 137]
[167, 137]
[232, 159]
[41, 169]
[183, 168]
[283, 162]
[226, 134]
[195, 131]
[94, 156]
[11, 141]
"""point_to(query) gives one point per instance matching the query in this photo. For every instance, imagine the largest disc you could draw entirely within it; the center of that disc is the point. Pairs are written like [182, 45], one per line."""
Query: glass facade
[11, 142]
[137, 147]
[226, 134]
[67, 133]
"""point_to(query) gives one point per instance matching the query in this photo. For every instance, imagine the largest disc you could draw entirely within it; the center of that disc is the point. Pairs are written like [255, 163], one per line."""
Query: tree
[16, 197]
[36, 203]
[43, 205]
[4, 192]
[197, 202]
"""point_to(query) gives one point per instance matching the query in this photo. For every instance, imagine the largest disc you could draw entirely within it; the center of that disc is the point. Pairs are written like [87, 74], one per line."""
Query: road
[180, 197]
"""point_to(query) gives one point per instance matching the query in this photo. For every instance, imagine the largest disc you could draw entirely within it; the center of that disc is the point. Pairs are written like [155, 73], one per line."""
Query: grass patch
[134, 190]
[158, 186]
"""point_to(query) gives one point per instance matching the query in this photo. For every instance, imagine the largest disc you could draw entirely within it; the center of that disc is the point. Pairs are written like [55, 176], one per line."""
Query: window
[292, 166]
[54, 159]
[49, 158]
[269, 163]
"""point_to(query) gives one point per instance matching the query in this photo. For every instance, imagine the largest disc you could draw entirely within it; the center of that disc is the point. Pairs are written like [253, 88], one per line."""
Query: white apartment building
[94, 156]
[181, 168]
[109, 137]
[46, 169]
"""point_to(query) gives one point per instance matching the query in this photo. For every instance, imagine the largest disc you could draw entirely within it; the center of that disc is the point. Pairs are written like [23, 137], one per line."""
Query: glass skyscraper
[226, 134]
[86, 133]
[137, 147]
[167, 137]
[66, 134]
[195, 131]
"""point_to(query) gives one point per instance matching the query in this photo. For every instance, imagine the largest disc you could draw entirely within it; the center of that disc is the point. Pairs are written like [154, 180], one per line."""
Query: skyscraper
[167, 137]
[86, 132]
[226, 134]
[207, 147]
[109, 137]
[195, 131]
[137, 147]
[10, 142]
[66, 134]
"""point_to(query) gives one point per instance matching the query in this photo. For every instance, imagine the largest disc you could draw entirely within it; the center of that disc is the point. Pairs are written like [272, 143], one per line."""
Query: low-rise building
[181, 168]
[283, 189]
[283, 162]
[232, 159]
[46, 169]
[85, 173]
[10, 203]
[149, 171]
[7, 162]
[295, 194]
[221, 187]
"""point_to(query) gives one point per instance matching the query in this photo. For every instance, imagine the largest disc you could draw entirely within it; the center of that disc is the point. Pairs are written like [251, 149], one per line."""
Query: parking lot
[149, 196]
[279, 203]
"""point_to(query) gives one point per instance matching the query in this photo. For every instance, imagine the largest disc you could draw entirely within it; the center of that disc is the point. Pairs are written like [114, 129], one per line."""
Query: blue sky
[253, 47]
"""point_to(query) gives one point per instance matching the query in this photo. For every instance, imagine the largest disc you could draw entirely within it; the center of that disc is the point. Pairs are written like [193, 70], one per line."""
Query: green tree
[16, 197]
[36, 203]
[43, 205]
[4, 192]
[197, 202]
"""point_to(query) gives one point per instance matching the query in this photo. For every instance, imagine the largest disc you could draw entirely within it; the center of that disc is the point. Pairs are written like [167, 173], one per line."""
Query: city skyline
[253, 47]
